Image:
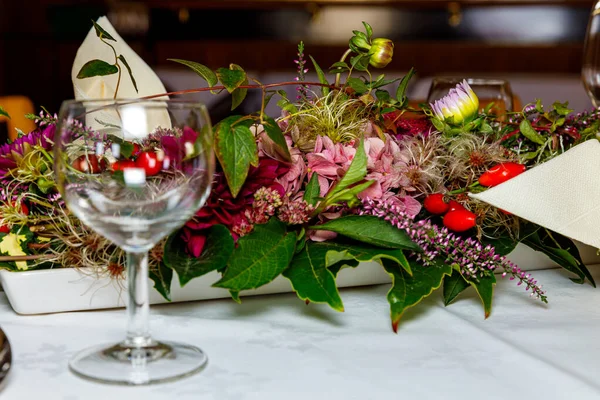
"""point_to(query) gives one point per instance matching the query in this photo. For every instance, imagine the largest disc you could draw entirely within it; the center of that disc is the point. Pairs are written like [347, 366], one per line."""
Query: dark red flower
[222, 208]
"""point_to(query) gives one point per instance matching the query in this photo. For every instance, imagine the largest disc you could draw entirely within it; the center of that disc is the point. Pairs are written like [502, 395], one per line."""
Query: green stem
[116, 64]
[463, 190]
[338, 75]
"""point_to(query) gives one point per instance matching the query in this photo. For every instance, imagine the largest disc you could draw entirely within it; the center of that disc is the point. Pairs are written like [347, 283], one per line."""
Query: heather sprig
[472, 258]
[301, 62]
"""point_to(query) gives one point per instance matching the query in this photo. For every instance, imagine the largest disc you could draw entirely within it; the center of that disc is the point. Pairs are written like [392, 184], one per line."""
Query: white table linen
[275, 347]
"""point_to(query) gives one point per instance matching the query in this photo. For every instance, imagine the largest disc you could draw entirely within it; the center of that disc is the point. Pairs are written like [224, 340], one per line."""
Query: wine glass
[496, 91]
[135, 204]
[590, 70]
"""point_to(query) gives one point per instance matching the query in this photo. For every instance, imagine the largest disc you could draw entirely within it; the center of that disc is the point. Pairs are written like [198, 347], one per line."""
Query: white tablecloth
[275, 347]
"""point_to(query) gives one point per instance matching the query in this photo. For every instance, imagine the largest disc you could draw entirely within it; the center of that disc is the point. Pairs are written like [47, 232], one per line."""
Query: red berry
[121, 165]
[455, 205]
[500, 173]
[89, 163]
[136, 150]
[435, 204]
[149, 162]
[24, 209]
[459, 220]
[4, 229]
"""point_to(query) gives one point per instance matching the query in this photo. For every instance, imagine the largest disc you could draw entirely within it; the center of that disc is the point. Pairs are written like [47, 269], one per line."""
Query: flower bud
[381, 52]
[460, 104]
[360, 43]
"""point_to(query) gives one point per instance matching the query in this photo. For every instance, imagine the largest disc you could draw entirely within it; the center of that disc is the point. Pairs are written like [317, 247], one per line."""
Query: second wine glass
[135, 171]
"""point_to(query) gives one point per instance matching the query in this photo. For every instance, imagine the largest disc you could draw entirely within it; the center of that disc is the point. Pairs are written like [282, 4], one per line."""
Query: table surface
[276, 347]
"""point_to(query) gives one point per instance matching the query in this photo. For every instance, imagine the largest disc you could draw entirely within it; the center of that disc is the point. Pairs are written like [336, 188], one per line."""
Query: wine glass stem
[138, 306]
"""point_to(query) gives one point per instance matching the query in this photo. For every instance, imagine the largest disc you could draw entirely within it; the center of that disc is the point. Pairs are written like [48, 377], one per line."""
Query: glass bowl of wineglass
[135, 171]
[590, 70]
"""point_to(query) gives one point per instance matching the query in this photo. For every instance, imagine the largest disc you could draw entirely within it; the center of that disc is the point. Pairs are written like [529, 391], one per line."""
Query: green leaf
[321, 76]
[231, 78]
[101, 33]
[383, 95]
[357, 84]
[370, 229]
[217, 250]
[360, 62]
[530, 133]
[162, 277]
[559, 249]
[310, 278]
[339, 65]
[538, 106]
[349, 195]
[313, 190]
[401, 91]
[259, 257]
[122, 58]
[355, 173]
[407, 291]
[205, 73]
[368, 29]
[239, 94]
[562, 108]
[275, 134]
[96, 68]
[454, 285]
[485, 289]
[236, 150]
[4, 113]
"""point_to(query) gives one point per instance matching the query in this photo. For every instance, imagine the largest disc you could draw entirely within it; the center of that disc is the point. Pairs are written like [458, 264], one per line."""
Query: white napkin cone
[562, 194]
[103, 87]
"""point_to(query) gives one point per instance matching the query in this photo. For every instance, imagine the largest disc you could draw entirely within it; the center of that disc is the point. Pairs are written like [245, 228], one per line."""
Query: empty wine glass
[590, 70]
[135, 171]
[496, 91]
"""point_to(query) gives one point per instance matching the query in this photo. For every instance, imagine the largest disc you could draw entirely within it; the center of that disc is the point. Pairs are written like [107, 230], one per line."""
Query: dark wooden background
[39, 38]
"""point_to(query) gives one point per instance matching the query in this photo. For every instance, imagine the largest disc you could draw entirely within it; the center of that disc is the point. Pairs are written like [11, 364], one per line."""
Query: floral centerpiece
[347, 173]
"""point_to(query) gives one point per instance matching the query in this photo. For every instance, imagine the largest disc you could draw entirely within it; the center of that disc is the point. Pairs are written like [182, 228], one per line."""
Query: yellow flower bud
[461, 104]
[381, 52]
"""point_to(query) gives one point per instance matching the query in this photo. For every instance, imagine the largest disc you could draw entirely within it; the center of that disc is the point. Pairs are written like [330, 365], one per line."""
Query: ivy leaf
[259, 257]
[236, 150]
[559, 249]
[101, 33]
[401, 91]
[96, 68]
[217, 250]
[313, 190]
[407, 290]
[205, 73]
[530, 133]
[357, 84]
[4, 113]
[122, 58]
[239, 94]
[231, 78]
[370, 229]
[310, 278]
[321, 76]
[454, 285]
[275, 134]
[162, 278]
[485, 289]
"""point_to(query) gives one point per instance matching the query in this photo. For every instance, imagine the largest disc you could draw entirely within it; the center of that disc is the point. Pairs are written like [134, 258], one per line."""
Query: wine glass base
[128, 365]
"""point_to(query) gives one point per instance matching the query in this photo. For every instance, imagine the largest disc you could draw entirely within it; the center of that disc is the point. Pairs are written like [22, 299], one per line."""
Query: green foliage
[124, 61]
[321, 76]
[454, 285]
[484, 286]
[274, 132]
[313, 190]
[101, 33]
[401, 91]
[162, 277]
[370, 229]
[407, 291]
[259, 257]
[216, 252]
[358, 85]
[96, 68]
[203, 71]
[559, 249]
[236, 150]
[231, 78]
[4, 113]
[530, 133]
[239, 94]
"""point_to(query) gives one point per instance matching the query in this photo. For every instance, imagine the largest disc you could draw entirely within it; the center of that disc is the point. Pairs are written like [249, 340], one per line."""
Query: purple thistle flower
[474, 259]
[40, 137]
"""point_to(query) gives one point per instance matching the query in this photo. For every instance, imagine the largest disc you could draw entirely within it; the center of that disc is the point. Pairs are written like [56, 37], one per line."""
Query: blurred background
[536, 45]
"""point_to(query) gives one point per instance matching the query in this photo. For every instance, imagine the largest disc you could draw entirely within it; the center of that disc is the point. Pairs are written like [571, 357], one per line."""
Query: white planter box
[66, 289]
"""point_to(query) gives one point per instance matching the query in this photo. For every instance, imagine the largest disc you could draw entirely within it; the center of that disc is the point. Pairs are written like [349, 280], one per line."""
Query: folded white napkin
[562, 194]
[103, 87]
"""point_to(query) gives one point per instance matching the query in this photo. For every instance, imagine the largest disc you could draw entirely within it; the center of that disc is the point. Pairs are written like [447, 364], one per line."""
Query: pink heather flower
[473, 259]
